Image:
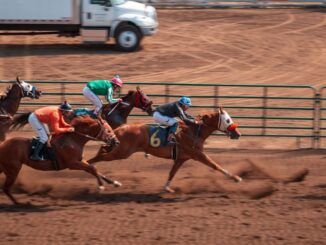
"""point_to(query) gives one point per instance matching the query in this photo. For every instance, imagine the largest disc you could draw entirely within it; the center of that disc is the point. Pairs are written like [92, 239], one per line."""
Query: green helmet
[65, 106]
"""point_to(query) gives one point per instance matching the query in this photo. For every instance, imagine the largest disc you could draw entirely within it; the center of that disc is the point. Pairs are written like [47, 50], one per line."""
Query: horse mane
[183, 126]
[130, 92]
[80, 120]
[4, 94]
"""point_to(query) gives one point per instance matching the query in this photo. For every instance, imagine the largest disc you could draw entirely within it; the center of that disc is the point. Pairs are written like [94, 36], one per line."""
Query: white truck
[94, 20]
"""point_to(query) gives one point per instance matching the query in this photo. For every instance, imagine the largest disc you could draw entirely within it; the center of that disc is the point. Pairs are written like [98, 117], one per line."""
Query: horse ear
[221, 110]
[17, 79]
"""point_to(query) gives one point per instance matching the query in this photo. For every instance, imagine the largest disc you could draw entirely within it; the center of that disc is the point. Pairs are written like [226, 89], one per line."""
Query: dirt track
[225, 46]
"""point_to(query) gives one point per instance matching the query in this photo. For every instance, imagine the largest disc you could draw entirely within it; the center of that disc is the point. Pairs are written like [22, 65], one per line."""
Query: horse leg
[177, 164]
[10, 180]
[83, 165]
[110, 181]
[202, 157]
[118, 153]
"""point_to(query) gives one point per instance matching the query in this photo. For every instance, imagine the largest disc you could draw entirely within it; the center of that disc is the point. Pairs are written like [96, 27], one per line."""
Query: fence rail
[261, 110]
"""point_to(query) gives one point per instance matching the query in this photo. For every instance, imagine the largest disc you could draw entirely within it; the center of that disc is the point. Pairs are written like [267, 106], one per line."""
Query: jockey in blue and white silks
[165, 115]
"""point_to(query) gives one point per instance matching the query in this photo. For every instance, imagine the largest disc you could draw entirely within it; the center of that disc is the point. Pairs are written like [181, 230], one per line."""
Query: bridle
[140, 101]
[98, 135]
[24, 93]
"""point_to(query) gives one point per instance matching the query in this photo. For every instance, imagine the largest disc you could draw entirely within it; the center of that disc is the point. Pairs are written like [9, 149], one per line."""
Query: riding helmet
[184, 100]
[117, 81]
[65, 106]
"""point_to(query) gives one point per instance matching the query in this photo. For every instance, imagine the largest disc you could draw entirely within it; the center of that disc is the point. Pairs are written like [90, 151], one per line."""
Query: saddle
[158, 138]
[47, 153]
[84, 112]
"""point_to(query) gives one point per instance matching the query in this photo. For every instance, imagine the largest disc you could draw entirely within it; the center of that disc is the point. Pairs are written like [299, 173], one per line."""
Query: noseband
[26, 93]
[139, 101]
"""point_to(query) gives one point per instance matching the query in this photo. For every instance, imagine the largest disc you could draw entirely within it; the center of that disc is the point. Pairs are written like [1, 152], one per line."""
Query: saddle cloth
[47, 153]
[158, 135]
[158, 138]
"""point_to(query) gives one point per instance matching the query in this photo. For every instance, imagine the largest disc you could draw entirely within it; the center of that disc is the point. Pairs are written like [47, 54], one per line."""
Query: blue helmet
[184, 100]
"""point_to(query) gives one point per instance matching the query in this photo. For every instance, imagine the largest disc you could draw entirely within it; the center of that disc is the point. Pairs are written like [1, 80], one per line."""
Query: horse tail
[20, 120]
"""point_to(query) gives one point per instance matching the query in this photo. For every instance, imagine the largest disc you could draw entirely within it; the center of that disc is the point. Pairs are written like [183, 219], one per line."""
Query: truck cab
[95, 21]
[126, 21]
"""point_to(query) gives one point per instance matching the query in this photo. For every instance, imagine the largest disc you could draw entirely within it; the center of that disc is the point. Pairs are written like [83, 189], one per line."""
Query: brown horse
[116, 114]
[68, 150]
[191, 138]
[10, 100]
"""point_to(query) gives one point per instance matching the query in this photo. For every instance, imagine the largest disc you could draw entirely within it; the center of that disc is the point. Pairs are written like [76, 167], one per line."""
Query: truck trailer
[96, 21]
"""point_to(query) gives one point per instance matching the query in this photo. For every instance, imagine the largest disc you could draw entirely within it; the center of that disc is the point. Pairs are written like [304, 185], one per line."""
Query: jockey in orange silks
[53, 117]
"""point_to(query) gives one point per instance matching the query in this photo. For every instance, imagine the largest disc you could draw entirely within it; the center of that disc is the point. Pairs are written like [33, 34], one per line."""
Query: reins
[87, 136]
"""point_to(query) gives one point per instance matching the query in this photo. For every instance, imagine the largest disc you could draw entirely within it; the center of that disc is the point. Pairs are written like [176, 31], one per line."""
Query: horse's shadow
[19, 50]
[27, 208]
[107, 198]
[312, 197]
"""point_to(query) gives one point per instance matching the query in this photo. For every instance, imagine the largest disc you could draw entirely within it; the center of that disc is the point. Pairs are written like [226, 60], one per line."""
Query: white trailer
[95, 20]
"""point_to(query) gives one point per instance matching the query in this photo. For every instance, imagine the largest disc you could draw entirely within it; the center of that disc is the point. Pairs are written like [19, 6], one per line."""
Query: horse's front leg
[83, 165]
[202, 157]
[177, 164]
[108, 180]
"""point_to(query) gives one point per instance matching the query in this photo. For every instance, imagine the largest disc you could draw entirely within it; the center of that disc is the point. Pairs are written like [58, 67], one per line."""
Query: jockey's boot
[171, 139]
[36, 152]
[171, 134]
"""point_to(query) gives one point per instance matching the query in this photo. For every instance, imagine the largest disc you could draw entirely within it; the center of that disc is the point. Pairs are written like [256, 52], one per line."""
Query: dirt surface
[274, 204]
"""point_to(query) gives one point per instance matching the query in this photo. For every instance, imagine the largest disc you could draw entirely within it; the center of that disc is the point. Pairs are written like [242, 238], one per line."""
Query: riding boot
[171, 134]
[36, 152]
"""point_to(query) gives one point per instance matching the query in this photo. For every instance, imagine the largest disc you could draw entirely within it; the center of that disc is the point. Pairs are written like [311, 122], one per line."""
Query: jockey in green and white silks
[102, 87]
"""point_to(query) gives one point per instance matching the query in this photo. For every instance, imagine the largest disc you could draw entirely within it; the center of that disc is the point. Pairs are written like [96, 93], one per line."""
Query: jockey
[102, 87]
[53, 116]
[165, 114]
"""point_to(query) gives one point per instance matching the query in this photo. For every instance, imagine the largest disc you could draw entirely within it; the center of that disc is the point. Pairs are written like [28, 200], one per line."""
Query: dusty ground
[210, 46]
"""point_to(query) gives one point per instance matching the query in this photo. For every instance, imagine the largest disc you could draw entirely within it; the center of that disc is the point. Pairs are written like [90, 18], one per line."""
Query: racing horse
[10, 100]
[116, 114]
[68, 149]
[190, 143]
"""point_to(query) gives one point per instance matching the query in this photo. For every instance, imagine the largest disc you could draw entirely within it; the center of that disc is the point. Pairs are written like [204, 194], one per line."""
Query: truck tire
[128, 38]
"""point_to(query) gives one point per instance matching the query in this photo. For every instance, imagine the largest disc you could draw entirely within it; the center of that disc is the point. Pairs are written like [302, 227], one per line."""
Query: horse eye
[227, 121]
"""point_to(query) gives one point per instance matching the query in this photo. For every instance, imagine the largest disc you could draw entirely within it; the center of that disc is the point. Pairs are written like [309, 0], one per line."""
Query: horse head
[28, 90]
[95, 129]
[140, 100]
[223, 122]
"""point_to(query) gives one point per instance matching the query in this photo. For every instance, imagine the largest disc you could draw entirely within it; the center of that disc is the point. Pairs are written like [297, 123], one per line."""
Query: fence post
[216, 97]
[167, 93]
[265, 94]
[63, 92]
[317, 120]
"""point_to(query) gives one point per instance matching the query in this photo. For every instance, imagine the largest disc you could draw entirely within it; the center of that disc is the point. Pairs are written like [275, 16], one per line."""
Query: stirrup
[36, 158]
[171, 139]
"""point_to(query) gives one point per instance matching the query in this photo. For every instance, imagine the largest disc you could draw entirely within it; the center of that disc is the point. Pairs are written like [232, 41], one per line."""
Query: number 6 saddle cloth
[158, 135]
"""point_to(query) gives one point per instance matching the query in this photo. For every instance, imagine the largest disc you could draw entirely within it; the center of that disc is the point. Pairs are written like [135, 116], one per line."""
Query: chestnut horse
[191, 138]
[116, 114]
[10, 100]
[68, 148]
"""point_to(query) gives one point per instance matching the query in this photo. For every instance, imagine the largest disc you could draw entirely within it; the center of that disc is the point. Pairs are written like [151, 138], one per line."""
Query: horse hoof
[147, 155]
[168, 189]
[101, 188]
[116, 183]
[237, 179]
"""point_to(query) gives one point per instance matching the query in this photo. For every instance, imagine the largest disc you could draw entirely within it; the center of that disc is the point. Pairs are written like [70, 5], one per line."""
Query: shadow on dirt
[17, 50]
[121, 198]
[312, 197]
[28, 208]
